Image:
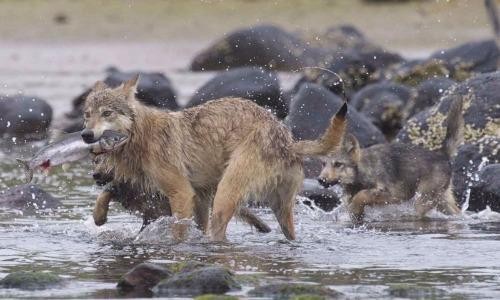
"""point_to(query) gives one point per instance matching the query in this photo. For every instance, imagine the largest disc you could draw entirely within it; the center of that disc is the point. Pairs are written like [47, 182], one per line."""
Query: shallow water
[394, 255]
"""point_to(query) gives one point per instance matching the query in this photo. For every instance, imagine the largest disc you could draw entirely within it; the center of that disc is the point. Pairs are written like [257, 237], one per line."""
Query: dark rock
[24, 117]
[466, 165]
[27, 197]
[339, 38]
[355, 68]
[216, 297]
[481, 102]
[384, 104]
[486, 190]
[428, 94]
[154, 89]
[266, 46]
[409, 291]
[284, 291]
[143, 277]
[313, 106]
[205, 280]
[458, 63]
[257, 84]
[325, 199]
[30, 280]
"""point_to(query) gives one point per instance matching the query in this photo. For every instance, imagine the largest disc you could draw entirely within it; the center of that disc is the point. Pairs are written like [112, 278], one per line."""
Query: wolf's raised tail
[27, 169]
[330, 139]
[454, 128]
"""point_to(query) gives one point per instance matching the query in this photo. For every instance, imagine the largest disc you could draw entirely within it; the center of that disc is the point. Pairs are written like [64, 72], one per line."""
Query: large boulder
[310, 112]
[485, 190]
[24, 117]
[256, 84]
[26, 280]
[203, 280]
[428, 94]
[338, 38]
[470, 160]
[154, 89]
[266, 46]
[384, 104]
[28, 197]
[481, 111]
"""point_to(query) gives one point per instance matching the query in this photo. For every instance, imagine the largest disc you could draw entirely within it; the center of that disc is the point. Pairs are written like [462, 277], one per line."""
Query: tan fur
[230, 146]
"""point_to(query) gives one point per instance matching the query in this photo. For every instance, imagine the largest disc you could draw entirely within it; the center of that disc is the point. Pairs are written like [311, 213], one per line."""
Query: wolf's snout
[327, 183]
[88, 136]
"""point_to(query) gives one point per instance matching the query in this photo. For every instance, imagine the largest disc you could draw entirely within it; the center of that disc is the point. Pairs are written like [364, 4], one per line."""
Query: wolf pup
[151, 206]
[215, 155]
[396, 172]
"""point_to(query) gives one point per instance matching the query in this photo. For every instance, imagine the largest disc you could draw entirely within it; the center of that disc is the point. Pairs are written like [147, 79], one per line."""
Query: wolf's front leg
[181, 197]
[101, 207]
[366, 198]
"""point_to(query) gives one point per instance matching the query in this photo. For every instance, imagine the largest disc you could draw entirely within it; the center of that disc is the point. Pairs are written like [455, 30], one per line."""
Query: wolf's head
[109, 109]
[341, 167]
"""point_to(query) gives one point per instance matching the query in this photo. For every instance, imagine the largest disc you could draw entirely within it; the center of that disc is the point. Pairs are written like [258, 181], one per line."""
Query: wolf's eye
[87, 115]
[337, 164]
[106, 113]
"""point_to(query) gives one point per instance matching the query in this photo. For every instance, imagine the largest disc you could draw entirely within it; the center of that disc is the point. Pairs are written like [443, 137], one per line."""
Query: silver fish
[70, 148]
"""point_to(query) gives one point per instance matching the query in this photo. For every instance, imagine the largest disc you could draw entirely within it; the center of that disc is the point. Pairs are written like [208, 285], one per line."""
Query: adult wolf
[215, 155]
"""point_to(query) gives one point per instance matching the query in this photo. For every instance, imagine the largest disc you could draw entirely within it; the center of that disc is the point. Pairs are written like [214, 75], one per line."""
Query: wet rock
[428, 94]
[458, 63]
[143, 277]
[284, 291]
[257, 84]
[409, 291]
[24, 117]
[480, 96]
[338, 38]
[325, 199]
[468, 163]
[384, 104]
[204, 280]
[154, 89]
[355, 67]
[266, 46]
[28, 197]
[313, 106]
[30, 280]
[485, 191]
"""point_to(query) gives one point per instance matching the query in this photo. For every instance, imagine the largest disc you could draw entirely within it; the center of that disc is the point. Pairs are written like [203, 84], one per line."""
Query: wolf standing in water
[396, 172]
[215, 155]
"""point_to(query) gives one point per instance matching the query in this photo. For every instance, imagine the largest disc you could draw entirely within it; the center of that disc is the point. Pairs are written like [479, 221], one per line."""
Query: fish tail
[27, 170]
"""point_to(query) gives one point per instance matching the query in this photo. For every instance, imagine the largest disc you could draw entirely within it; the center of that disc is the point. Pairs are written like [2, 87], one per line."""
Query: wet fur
[215, 155]
[391, 173]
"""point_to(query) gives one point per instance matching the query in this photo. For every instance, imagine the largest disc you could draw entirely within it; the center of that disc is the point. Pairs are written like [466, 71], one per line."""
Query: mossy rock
[308, 297]
[30, 280]
[205, 280]
[216, 297]
[285, 291]
[415, 292]
[186, 266]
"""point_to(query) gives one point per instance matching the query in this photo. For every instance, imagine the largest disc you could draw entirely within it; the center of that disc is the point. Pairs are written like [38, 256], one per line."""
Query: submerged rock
[284, 291]
[384, 104]
[203, 280]
[467, 167]
[481, 111]
[257, 84]
[30, 280]
[409, 291]
[485, 191]
[24, 117]
[28, 197]
[143, 277]
[154, 89]
[266, 46]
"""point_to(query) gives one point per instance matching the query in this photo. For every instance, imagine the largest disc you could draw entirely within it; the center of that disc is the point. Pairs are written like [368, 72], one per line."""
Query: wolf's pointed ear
[99, 85]
[352, 147]
[130, 86]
